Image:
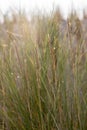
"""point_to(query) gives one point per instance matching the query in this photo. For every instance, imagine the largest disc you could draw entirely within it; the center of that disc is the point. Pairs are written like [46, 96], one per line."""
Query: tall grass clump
[43, 73]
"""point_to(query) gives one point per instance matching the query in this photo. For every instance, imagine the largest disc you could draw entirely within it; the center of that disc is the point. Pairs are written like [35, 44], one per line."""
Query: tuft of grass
[43, 73]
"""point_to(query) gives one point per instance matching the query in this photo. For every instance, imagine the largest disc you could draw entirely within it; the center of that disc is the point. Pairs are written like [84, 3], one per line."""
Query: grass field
[43, 72]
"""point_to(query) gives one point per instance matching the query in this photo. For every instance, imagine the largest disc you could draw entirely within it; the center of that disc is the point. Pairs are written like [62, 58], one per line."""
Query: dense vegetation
[43, 72]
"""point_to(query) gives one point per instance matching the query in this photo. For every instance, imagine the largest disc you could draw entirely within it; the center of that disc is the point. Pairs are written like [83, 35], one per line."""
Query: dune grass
[43, 74]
